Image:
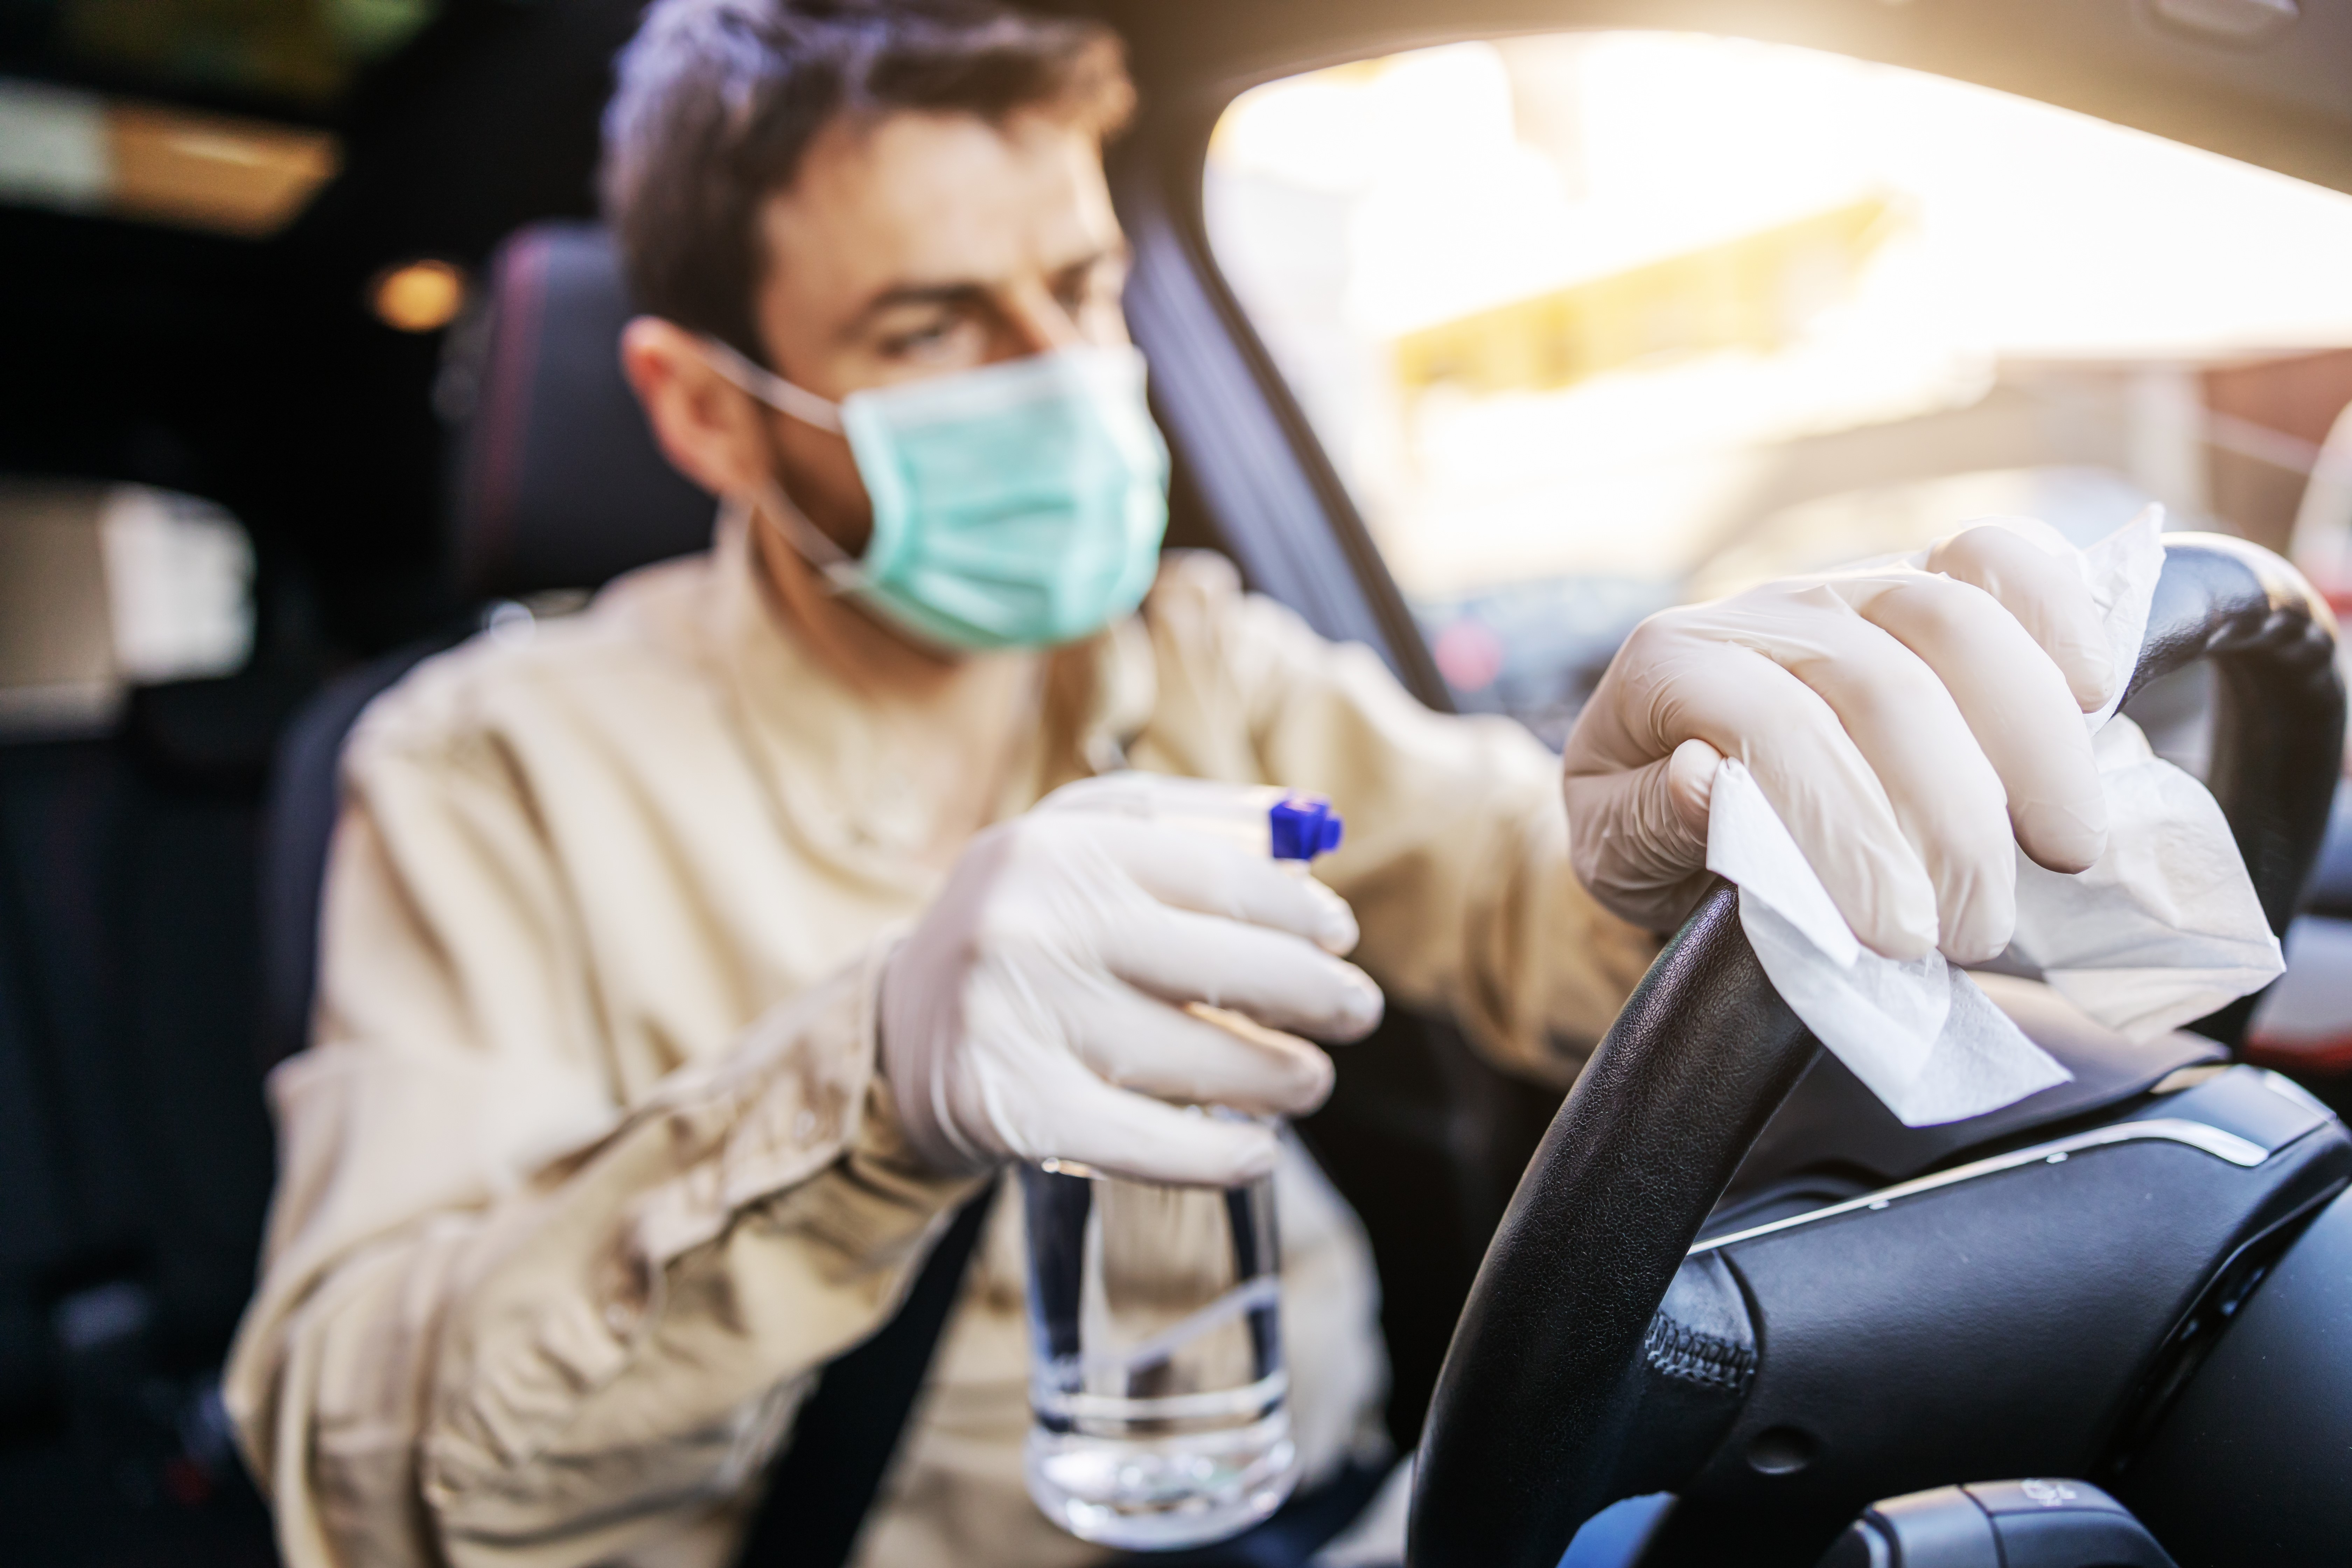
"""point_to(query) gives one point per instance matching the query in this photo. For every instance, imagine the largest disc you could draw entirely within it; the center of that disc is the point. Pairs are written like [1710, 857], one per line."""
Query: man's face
[923, 245]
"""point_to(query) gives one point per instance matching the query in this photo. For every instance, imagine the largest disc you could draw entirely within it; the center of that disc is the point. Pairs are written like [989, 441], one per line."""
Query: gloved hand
[1037, 1009]
[1908, 724]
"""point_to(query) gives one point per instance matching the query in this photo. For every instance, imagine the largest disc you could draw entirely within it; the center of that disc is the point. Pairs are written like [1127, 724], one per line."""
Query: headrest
[558, 481]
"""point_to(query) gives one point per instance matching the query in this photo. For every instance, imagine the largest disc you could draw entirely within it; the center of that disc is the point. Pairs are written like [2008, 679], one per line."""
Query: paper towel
[2163, 929]
[1918, 1034]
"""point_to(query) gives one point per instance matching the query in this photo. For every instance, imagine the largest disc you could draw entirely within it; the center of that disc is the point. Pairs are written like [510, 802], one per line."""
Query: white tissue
[1919, 1035]
[2164, 928]
[2121, 571]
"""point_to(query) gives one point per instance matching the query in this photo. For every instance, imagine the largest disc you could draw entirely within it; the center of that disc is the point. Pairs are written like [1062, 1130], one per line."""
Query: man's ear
[706, 424]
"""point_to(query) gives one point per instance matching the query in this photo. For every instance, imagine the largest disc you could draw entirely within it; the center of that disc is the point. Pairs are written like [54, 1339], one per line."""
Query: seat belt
[822, 1485]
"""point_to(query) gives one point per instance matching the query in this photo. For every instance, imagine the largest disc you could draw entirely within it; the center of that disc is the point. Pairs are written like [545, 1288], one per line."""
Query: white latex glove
[1038, 1008]
[1907, 723]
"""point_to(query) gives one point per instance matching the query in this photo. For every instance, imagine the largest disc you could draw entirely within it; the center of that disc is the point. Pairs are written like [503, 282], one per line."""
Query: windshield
[1591, 323]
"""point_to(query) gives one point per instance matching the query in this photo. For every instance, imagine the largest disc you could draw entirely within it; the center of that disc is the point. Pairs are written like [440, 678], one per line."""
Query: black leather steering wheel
[1543, 1380]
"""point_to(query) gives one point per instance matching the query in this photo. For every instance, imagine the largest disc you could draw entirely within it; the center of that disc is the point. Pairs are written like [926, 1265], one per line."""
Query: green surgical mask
[1018, 505]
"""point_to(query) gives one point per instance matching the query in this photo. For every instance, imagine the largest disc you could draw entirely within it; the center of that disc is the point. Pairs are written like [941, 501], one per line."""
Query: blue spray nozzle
[1303, 826]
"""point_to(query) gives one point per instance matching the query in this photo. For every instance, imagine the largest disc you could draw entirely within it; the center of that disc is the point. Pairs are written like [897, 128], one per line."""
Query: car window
[1593, 323]
[105, 587]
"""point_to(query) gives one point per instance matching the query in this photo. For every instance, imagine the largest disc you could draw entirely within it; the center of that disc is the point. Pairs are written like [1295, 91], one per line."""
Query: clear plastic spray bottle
[1160, 1401]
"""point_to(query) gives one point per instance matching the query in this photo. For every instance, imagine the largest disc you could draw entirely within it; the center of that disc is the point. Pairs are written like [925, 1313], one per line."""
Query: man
[684, 966]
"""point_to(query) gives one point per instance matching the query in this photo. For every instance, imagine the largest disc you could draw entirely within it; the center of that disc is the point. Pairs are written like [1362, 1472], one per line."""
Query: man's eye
[917, 340]
[1079, 291]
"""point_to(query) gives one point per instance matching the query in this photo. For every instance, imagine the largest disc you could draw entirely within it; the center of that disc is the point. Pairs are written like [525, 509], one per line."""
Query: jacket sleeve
[1456, 857]
[503, 1318]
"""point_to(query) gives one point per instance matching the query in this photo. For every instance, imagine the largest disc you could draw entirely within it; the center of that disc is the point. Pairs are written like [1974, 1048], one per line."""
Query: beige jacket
[588, 1167]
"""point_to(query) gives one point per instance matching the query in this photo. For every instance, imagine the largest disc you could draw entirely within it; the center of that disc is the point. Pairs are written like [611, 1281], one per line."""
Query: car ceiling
[2284, 103]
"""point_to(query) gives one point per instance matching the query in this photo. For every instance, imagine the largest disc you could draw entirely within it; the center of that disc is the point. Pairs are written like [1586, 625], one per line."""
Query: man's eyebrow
[920, 294]
[969, 292]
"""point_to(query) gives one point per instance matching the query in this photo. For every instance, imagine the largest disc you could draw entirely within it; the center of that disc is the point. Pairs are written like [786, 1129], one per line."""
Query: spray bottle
[1159, 1395]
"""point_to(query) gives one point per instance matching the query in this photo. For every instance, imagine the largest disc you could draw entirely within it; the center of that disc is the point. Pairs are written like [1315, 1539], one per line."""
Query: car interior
[1479, 330]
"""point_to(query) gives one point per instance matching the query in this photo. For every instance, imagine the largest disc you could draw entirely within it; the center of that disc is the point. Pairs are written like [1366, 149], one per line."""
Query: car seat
[556, 485]
[134, 1154]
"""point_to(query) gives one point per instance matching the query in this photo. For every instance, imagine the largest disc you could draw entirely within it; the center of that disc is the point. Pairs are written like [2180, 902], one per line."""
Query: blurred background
[237, 239]
[1586, 324]
[1596, 322]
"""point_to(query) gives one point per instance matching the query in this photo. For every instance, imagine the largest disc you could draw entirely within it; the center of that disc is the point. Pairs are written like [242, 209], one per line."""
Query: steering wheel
[1542, 1385]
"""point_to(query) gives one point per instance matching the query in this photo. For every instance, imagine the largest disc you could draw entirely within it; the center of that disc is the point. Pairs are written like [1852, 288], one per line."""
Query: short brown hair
[718, 100]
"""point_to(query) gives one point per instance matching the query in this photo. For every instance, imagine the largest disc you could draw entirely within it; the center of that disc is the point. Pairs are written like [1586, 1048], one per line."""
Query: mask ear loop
[839, 568]
[768, 507]
[772, 389]
[810, 543]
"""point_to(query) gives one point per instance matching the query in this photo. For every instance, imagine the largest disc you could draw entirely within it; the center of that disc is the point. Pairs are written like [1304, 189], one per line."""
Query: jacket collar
[835, 762]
